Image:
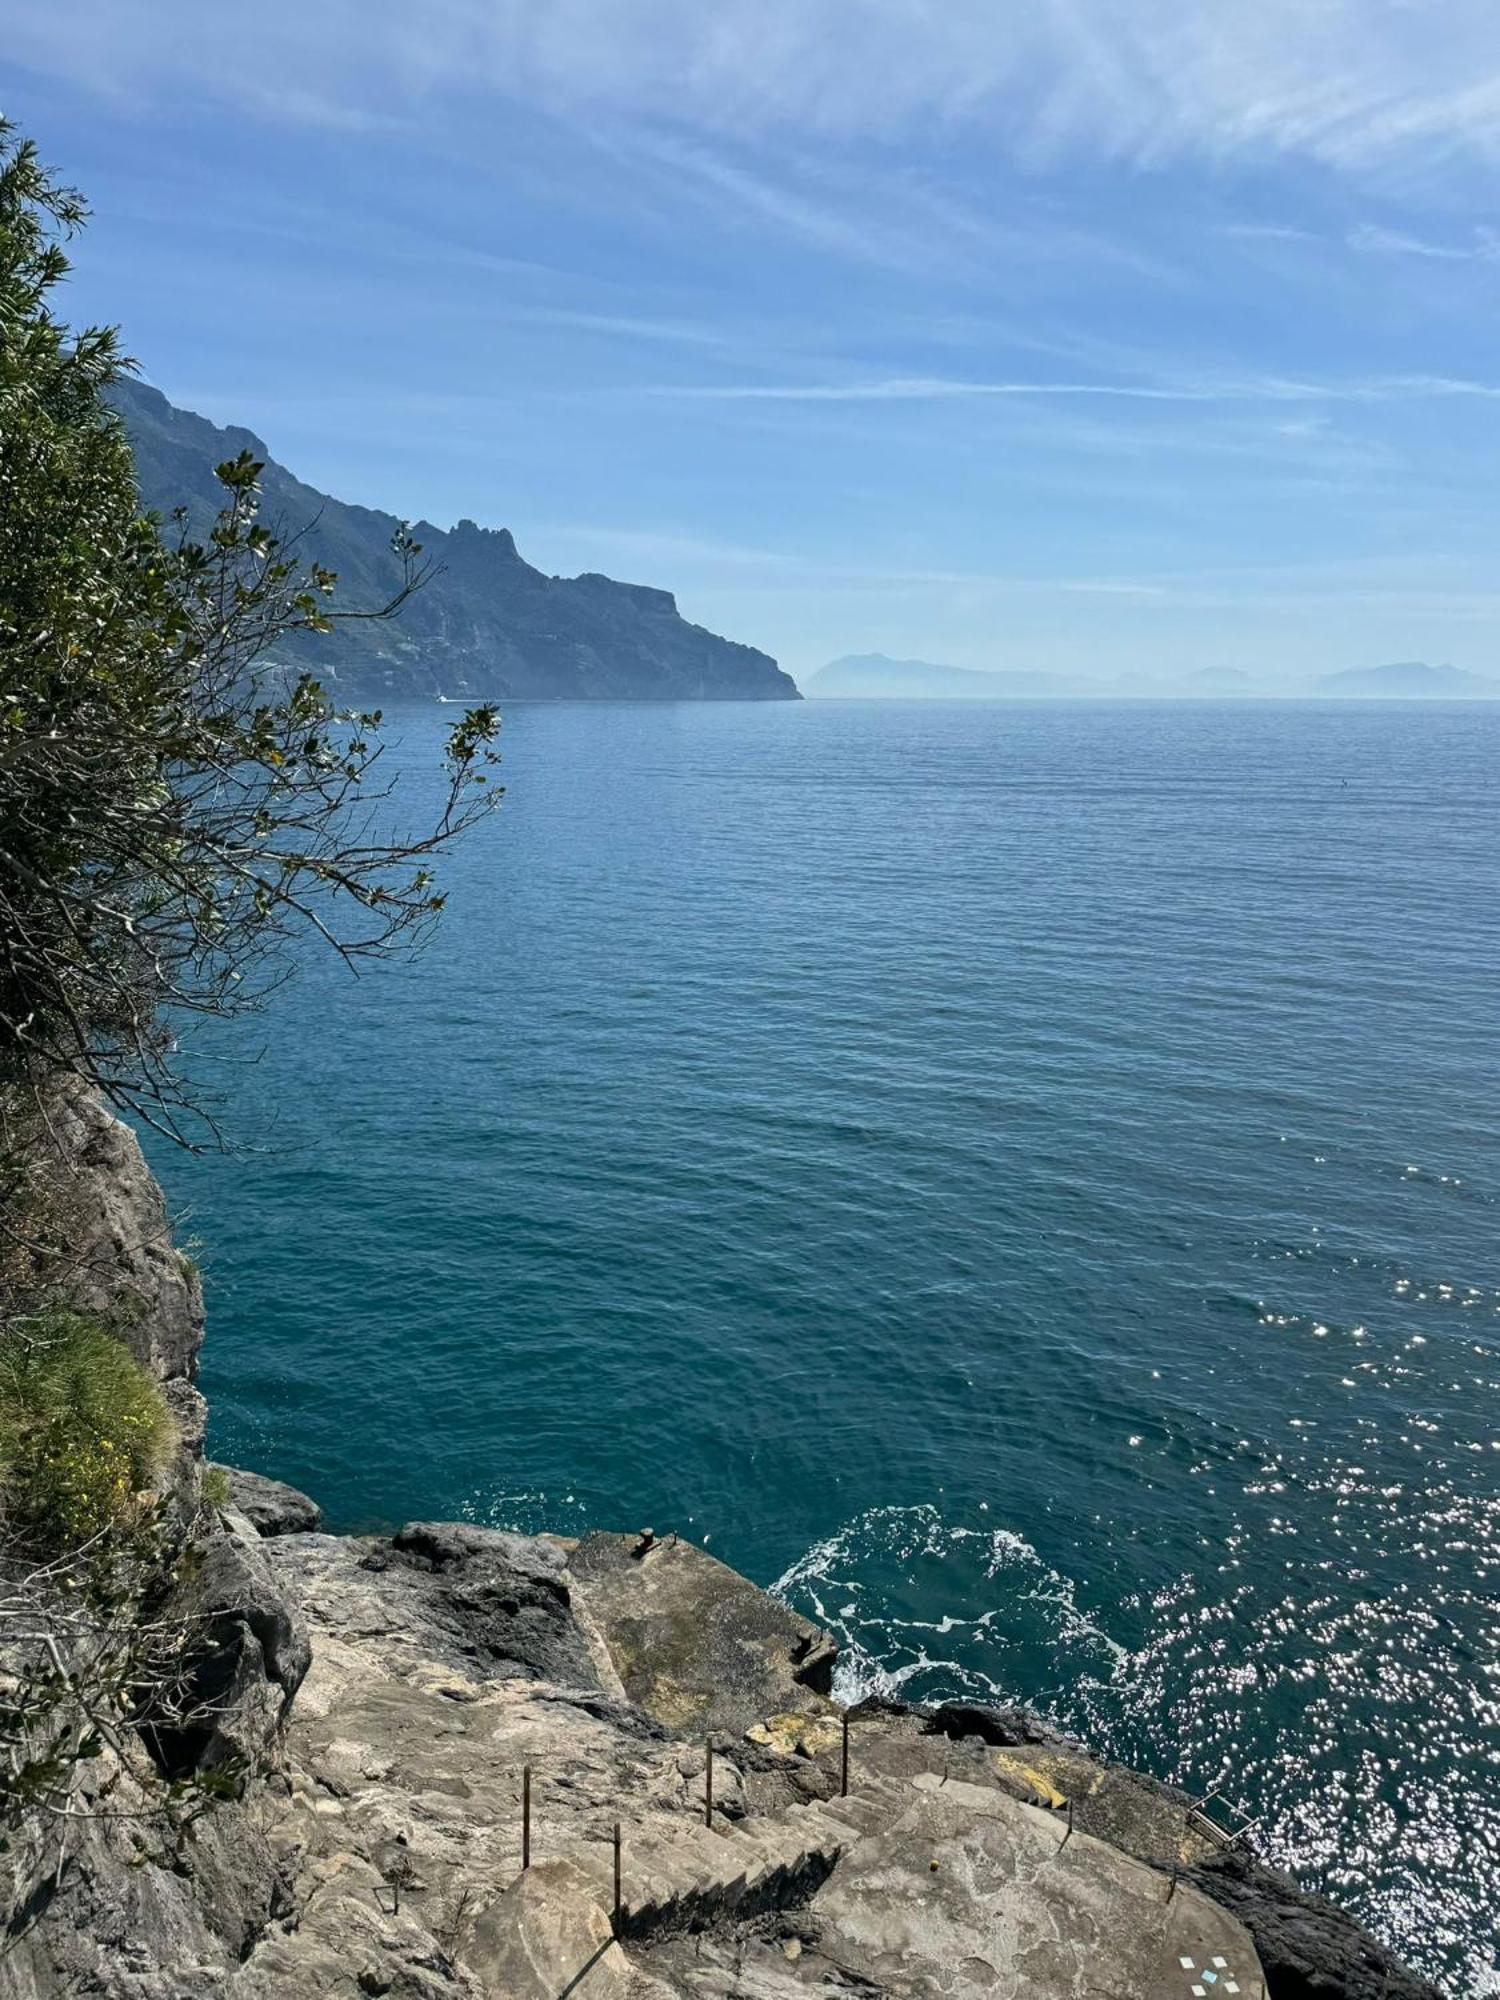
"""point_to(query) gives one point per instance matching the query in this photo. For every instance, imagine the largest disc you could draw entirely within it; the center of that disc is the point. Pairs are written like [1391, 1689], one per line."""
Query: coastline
[434, 1745]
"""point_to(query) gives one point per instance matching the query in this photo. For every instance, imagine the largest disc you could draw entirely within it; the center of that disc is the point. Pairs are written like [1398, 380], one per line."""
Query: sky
[1117, 337]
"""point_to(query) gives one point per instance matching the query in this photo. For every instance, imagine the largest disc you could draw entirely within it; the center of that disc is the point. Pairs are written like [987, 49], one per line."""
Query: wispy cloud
[929, 389]
[891, 218]
[1483, 247]
[1428, 581]
[622, 326]
[854, 232]
[1269, 232]
[798, 565]
[1350, 83]
[921, 389]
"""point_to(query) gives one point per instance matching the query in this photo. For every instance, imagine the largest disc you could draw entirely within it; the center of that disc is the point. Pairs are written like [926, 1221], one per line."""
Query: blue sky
[1117, 336]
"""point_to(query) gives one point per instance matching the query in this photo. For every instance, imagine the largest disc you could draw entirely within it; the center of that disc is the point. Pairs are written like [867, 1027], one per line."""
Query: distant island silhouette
[874, 676]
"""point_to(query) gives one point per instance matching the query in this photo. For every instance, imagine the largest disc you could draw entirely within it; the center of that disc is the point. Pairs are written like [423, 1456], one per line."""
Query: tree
[174, 810]
[174, 807]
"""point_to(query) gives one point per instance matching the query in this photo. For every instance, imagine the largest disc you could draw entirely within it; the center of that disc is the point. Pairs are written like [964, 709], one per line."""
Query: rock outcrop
[270, 1505]
[107, 1898]
[1310, 1949]
[448, 1663]
[692, 1642]
[469, 1602]
[120, 1259]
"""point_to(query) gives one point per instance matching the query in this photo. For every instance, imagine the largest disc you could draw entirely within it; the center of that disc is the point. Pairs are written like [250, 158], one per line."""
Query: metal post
[708, 1781]
[526, 1817]
[844, 1760]
[619, 1899]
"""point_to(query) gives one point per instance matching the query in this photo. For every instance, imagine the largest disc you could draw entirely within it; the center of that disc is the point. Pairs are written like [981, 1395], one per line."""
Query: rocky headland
[486, 625]
[464, 1764]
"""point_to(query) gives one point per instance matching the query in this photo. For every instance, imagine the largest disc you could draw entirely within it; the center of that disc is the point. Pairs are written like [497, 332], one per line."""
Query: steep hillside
[489, 625]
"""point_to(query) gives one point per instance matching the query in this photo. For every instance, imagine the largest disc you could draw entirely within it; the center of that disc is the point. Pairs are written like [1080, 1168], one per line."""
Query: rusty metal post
[526, 1817]
[708, 1781]
[619, 1899]
[844, 1760]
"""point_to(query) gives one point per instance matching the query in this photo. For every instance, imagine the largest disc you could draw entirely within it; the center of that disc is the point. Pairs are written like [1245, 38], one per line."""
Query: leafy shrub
[172, 812]
[83, 1429]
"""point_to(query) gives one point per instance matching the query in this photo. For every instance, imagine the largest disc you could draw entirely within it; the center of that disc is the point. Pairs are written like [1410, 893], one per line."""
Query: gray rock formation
[448, 1662]
[1311, 1950]
[121, 1260]
[406, 1753]
[694, 1644]
[110, 1900]
[269, 1505]
[247, 1653]
[118, 1910]
[481, 1604]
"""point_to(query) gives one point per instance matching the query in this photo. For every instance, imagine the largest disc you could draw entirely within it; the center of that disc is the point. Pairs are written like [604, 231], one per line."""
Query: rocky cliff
[488, 626]
[497, 1767]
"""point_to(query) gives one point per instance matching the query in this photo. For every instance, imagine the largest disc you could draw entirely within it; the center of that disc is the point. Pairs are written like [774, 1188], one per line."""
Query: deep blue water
[1025, 1176]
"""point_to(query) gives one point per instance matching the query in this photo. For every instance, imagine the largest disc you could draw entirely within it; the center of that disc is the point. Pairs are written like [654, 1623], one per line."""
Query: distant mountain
[872, 676]
[1409, 680]
[490, 625]
[867, 675]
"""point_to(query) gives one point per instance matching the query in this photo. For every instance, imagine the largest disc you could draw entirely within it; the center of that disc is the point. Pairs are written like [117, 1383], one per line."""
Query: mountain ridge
[489, 626]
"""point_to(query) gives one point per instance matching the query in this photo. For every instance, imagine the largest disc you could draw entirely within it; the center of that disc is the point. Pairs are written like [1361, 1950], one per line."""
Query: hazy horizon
[877, 677]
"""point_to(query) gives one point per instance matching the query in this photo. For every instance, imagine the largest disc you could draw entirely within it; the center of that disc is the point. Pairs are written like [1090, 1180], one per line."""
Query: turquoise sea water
[1024, 1176]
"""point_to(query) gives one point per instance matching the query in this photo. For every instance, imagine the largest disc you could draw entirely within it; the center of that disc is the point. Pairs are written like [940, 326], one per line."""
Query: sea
[1021, 1179]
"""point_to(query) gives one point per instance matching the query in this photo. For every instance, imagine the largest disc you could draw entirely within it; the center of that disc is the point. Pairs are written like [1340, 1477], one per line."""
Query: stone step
[860, 1813]
[693, 1871]
[664, 1869]
[693, 1875]
[869, 1804]
[663, 1874]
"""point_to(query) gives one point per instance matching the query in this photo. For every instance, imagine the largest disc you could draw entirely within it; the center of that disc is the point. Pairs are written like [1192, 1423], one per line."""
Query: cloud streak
[931, 389]
[1353, 84]
[1369, 236]
[898, 220]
